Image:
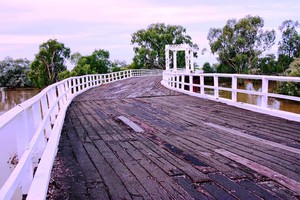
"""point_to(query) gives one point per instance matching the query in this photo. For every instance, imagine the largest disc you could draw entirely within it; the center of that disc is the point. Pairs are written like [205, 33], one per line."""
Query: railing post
[90, 81]
[79, 83]
[61, 92]
[264, 90]
[191, 83]
[99, 81]
[73, 86]
[23, 140]
[51, 94]
[216, 86]
[172, 81]
[202, 84]
[37, 117]
[66, 86]
[182, 82]
[95, 80]
[234, 89]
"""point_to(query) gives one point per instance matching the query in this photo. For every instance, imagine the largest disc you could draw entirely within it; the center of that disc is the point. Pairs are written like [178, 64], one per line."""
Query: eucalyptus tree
[14, 73]
[96, 63]
[291, 88]
[149, 44]
[239, 44]
[48, 63]
[289, 46]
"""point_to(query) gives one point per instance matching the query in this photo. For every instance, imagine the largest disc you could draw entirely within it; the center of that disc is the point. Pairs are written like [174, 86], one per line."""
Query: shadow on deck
[190, 148]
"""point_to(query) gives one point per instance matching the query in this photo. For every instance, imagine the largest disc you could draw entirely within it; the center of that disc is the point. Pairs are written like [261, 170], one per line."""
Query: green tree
[118, 65]
[48, 63]
[291, 88]
[149, 44]
[294, 68]
[66, 74]
[240, 43]
[207, 68]
[289, 46]
[267, 65]
[75, 58]
[14, 73]
[96, 63]
[223, 68]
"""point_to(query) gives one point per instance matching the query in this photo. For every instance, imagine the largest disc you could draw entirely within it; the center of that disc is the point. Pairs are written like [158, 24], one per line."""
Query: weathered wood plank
[256, 139]
[288, 182]
[175, 156]
[115, 186]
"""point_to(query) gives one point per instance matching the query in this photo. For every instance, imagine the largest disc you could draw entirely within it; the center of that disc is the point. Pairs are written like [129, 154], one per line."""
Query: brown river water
[9, 98]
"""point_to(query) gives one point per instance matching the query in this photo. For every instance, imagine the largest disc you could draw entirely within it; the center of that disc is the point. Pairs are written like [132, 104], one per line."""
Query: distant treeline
[239, 46]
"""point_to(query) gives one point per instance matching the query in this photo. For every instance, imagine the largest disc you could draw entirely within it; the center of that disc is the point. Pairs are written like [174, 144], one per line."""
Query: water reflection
[274, 103]
[9, 98]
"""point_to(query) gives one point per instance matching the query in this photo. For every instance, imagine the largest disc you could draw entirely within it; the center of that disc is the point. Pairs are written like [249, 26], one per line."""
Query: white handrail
[30, 132]
[187, 82]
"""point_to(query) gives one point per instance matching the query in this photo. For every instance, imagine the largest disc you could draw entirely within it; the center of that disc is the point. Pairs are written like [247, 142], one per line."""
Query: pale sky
[86, 25]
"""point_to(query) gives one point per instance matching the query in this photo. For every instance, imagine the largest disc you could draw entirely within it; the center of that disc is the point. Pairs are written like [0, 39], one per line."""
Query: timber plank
[256, 189]
[92, 177]
[286, 181]
[152, 187]
[287, 154]
[115, 186]
[133, 186]
[175, 155]
[170, 163]
[258, 156]
[233, 187]
[216, 191]
[174, 191]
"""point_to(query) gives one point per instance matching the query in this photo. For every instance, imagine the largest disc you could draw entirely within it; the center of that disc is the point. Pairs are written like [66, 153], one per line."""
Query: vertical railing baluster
[182, 82]
[216, 86]
[23, 138]
[202, 91]
[264, 90]
[191, 83]
[234, 88]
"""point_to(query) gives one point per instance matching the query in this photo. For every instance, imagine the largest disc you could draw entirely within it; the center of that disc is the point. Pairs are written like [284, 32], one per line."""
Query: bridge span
[135, 139]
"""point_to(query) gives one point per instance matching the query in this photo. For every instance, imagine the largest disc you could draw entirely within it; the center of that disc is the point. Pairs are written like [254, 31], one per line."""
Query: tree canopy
[294, 68]
[14, 73]
[149, 44]
[96, 63]
[289, 46]
[48, 63]
[291, 88]
[240, 43]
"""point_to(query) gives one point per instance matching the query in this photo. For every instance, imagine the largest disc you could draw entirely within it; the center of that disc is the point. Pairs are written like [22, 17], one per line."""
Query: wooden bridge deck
[191, 148]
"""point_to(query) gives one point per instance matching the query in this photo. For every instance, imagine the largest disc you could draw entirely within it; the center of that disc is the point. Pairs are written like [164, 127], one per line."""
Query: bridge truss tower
[189, 56]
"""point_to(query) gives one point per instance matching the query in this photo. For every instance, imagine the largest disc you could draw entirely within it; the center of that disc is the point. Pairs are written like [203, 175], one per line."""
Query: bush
[291, 88]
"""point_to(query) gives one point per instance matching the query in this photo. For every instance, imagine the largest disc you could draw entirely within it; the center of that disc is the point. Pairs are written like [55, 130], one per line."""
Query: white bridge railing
[30, 132]
[210, 86]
